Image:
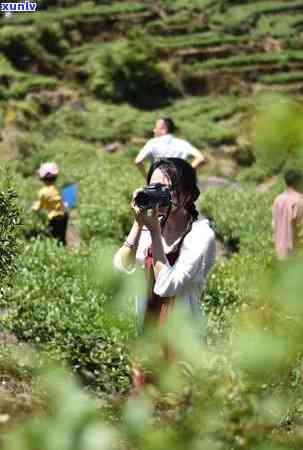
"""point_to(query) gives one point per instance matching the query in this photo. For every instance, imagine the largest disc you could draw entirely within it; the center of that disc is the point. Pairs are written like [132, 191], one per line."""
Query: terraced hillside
[212, 45]
[150, 54]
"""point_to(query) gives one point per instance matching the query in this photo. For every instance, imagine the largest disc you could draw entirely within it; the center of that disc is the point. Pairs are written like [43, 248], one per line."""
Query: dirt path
[73, 238]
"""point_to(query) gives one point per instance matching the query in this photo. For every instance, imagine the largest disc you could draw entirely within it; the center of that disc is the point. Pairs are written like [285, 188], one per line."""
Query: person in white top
[174, 245]
[165, 145]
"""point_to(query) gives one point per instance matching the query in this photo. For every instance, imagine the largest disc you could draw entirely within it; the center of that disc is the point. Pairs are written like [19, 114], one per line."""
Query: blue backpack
[69, 195]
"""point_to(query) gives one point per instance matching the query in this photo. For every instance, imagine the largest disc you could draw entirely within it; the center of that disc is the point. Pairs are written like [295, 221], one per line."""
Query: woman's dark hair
[183, 179]
[169, 124]
[293, 178]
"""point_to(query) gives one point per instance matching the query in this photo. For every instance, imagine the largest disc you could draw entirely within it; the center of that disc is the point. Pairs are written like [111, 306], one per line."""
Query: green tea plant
[103, 199]
[71, 420]
[237, 393]
[241, 217]
[276, 132]
[129, 72]
[62, 306]
[9, 227]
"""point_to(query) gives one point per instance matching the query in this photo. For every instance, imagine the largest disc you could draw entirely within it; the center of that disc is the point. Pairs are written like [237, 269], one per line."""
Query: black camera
[152, 196]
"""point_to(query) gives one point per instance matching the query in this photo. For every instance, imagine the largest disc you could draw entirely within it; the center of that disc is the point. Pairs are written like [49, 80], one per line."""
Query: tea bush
[70, 419]
[129, 72]
[105, 185]
[242, 218]
[276, 133]
[22, 47]
[105, 198]
[103, 123]
[9, 227]
[238, 394]
[232, 286]
[52, 38]
[99, 123]
[58, 305]
[223, 396]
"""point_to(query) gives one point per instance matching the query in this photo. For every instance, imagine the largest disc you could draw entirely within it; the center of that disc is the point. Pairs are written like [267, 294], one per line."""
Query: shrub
[1, 118]
[105, 200]
[128, 71]
[239, 395]
[9, 228]
[233, 286]
[276, 132]
[99, 123]
[51, 37]
[242, 218]
[62, 309]
[22, 48]
[29, 83]
[105, 183]
[256, 174]
[70, 419]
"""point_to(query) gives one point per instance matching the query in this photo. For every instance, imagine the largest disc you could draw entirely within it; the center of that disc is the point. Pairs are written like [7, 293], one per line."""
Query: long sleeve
[144, 243]
[196, 258]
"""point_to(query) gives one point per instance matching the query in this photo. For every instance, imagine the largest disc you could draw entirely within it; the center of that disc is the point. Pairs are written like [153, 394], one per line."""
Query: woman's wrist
[135, 232]
[129, 244]
[155, 229]
[133, 237]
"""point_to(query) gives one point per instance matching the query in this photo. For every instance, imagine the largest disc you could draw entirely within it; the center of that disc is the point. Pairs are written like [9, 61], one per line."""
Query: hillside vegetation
[77, 65]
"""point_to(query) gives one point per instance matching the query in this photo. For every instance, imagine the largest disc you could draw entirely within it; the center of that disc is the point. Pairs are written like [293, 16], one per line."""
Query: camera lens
[142, 199]
[152, 196]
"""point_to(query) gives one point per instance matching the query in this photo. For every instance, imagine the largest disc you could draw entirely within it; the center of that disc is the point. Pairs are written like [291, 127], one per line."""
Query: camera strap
[164, 220]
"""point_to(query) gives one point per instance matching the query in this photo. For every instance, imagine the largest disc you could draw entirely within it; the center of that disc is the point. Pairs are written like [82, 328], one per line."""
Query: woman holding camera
[175, 246]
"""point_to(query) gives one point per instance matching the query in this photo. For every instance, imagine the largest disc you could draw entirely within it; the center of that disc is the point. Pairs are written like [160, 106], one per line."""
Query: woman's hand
[148, 218]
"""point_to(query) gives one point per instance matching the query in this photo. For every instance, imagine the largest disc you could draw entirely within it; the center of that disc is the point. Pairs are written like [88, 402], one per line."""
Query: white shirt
[167, 146]
[186, 278]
